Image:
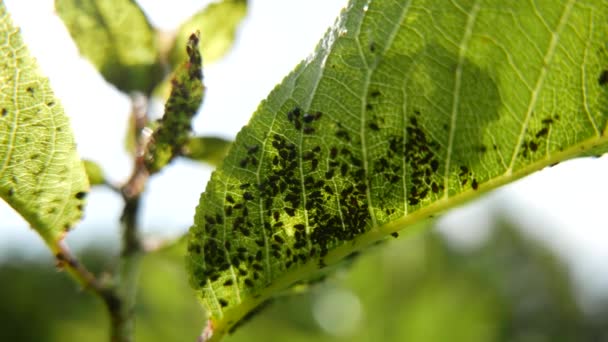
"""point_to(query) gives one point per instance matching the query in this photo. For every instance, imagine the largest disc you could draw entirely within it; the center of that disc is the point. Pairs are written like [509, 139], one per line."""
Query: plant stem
[123, 315]
[88, 281]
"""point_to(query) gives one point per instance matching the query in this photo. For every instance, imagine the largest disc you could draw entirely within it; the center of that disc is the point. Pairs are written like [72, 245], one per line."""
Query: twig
[68, 262]
[123, 316]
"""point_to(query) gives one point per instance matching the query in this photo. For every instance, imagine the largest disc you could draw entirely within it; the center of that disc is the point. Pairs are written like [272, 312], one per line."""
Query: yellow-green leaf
[41, 175]
[217, 24]
[94, 172]
[117, 38]
[405, 109]
[210, 150]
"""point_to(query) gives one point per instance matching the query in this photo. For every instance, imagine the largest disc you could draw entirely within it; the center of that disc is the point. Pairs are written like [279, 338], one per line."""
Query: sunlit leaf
[405, 109]
[41, 175]
[174, 128]
[117, 38]
[210, 150]
[94, 172]
[217, 24]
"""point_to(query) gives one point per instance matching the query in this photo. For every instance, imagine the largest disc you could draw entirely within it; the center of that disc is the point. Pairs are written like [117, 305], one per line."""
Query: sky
[563, 206]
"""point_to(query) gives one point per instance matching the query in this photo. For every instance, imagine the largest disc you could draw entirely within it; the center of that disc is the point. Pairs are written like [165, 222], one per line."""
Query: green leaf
[174, 128]
[211, 150]
[41, 175]
[117, 38]
[217, 24]
[405, 109]
[94, 172]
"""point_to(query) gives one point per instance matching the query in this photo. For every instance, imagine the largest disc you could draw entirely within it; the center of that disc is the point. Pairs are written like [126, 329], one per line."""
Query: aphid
[308, 118]
[253, 149]
[343, 169]
[474, 184]
[229, 199]
[223, 302]
[247, 196]
[333, 152]
[228, 282]
[248, 282]
[603, 79]
[277, 238]
[434, 165]
[309, 130]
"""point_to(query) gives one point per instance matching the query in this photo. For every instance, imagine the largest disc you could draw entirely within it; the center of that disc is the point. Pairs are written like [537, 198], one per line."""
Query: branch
[123, 315]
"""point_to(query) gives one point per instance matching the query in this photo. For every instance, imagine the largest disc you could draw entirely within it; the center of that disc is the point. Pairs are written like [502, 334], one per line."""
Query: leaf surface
[207, 149]
[117, 38]
[217, 24]
[41, 175]
[174, 128]
[405, 109]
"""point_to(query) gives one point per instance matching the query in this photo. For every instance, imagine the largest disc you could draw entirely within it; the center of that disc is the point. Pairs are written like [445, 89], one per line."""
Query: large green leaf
[217, 24]
[117, 38]
[405, 109]
[41, 175]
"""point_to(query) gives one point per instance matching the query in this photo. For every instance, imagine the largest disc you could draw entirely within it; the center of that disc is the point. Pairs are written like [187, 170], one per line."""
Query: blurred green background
[413, 288]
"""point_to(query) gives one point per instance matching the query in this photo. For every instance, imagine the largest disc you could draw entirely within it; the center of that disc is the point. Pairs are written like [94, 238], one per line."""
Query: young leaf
[94, 172]
[117, 38]
[174, 128]
[41, 175]
[217, 24]
[211, 150]
[406, 108]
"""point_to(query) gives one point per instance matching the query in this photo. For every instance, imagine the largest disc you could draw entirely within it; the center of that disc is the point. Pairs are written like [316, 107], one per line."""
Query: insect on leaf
[405, 109]
[174, 128]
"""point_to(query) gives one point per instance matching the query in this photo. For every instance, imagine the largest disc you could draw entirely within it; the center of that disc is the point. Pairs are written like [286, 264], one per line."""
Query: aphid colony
[307, 198]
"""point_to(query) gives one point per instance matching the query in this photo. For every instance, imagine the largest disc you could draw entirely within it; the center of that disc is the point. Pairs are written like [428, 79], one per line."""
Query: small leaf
[405, 109]
[117, 38]
[217, 24]
[94, 172]
[211, 150]
[174, 128]
[41, 175]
